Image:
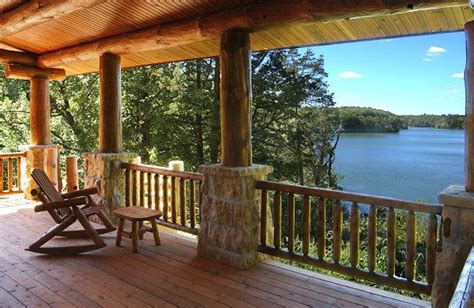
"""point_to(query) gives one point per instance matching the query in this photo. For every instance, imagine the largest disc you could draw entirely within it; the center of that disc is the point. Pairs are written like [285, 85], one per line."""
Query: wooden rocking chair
[66, 209]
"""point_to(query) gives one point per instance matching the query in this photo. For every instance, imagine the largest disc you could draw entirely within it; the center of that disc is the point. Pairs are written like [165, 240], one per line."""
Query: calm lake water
[415, 164]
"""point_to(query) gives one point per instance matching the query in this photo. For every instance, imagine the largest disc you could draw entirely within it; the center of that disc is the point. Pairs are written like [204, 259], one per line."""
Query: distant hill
[368, 120]
[447, 121]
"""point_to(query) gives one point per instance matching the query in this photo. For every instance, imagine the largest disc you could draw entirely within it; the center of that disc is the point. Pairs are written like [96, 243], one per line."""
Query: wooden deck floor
[169, 275]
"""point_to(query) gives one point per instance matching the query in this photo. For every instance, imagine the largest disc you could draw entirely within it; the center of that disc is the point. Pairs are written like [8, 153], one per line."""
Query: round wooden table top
[137, 213]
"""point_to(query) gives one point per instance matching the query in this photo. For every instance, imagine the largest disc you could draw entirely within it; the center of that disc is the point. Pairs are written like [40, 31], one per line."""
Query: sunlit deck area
[169, 275]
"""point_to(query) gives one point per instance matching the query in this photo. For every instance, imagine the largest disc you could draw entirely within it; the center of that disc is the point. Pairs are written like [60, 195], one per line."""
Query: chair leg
[118, 240]
[106, 221]
[53, 232]
[135, 235]
[86, 224]
[156, 235]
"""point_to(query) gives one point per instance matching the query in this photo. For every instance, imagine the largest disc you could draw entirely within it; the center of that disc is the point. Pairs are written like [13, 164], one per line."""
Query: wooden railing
[177, 194]
[323, 248]
[10, 172]
[464, 295]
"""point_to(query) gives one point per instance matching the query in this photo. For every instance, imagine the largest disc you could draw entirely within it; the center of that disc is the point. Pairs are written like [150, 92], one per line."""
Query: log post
[458, 201]
[469, 121]
[40, 112]
[110, 118]
[236, 98]
[72, 178]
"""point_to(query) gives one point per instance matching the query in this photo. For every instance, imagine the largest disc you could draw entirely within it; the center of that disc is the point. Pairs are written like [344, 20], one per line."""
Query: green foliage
[368, 120]
[445, 121]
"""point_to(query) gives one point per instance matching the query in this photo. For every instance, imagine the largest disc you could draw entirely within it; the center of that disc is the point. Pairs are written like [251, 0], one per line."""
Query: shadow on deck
[169, 275]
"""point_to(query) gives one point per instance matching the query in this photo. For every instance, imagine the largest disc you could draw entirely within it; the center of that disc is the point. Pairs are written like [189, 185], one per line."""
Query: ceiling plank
[38, 11]
[253, 17]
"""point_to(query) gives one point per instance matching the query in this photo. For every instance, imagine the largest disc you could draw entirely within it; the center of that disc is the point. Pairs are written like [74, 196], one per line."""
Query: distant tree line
[368, 120]
[446, 121]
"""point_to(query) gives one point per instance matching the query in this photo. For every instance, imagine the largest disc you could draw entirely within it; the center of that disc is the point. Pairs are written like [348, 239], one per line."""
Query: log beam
[36, 12]
[253, 17]
[40, 133]
[236, 97]
[110, 117]
[469, 120]
[8, 56]
[26, 72]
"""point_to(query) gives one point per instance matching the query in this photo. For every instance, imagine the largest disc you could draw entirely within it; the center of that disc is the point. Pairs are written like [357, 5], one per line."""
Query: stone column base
[458, 212]
[230, 214]
[44, 157]
[102, 170]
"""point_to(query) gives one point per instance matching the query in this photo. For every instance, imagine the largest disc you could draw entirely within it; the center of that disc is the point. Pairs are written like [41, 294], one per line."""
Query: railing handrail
[162, 171]
[462, 296]
[354, 197]
[12, 155]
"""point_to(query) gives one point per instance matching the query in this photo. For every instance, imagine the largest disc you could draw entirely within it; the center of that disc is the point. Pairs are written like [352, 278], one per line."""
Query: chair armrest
[80, 193]
[61, 204]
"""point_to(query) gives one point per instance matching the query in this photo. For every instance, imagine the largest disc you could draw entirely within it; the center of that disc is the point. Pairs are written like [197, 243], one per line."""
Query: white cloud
[435, 51]
[458, 75]
[350, 75]
[427, 60]
[451, 91]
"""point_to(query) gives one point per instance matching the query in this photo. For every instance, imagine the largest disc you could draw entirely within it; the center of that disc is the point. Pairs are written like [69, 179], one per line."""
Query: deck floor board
[165, 276]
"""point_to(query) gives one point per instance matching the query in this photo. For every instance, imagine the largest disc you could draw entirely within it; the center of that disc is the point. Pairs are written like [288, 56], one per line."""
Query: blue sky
[413, 75]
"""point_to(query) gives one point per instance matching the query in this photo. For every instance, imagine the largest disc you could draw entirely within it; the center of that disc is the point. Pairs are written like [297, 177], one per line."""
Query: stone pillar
[44, 157]
[102, 170]
[230, 214]
[458, 238]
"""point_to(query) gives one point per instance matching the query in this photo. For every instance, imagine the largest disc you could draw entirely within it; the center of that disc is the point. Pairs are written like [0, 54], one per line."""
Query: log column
[230, 210]
[236, 99]
[458, 200]
[40, 118]
[110, 115]
[102, 169]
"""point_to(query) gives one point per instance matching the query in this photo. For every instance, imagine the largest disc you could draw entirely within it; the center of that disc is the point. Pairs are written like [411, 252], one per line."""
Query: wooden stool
[137, 215]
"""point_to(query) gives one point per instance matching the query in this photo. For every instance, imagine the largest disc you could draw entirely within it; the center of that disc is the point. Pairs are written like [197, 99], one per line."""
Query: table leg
[119, 232]
[135, 236]
[140, 233]
[156, 235]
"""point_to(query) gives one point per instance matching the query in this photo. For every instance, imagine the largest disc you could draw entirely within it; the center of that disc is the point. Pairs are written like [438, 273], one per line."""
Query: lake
[414, 164]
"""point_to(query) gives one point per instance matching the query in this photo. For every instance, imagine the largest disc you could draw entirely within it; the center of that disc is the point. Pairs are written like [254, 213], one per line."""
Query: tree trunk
[198, 126]
[214, 134]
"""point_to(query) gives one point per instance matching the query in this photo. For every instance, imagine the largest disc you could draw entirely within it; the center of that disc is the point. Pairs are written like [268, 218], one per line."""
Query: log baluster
[354, 236]
[411, 245]
[321, 229]
[157, 192]
[142, 189]
[127, 187]
[182, 202]
[149, 186]
[2, 189]
[337, 232]
[391, 241]
[165, 198]
[431, 247]
[134, 188]
[192, 205]
[10, 174]
[277, 220]
[372, 238]
[291, 223]
[263, 218]
[173, 199]
[306, 223]
[18, 173]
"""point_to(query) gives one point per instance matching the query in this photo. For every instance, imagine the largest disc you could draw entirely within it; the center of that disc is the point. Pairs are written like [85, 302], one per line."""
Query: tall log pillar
[40, 154]
[230, 210]
[458, 200]
[103, 169]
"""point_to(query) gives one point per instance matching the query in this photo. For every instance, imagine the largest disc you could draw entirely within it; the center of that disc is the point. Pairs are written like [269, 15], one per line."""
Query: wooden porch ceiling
[53, 27]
